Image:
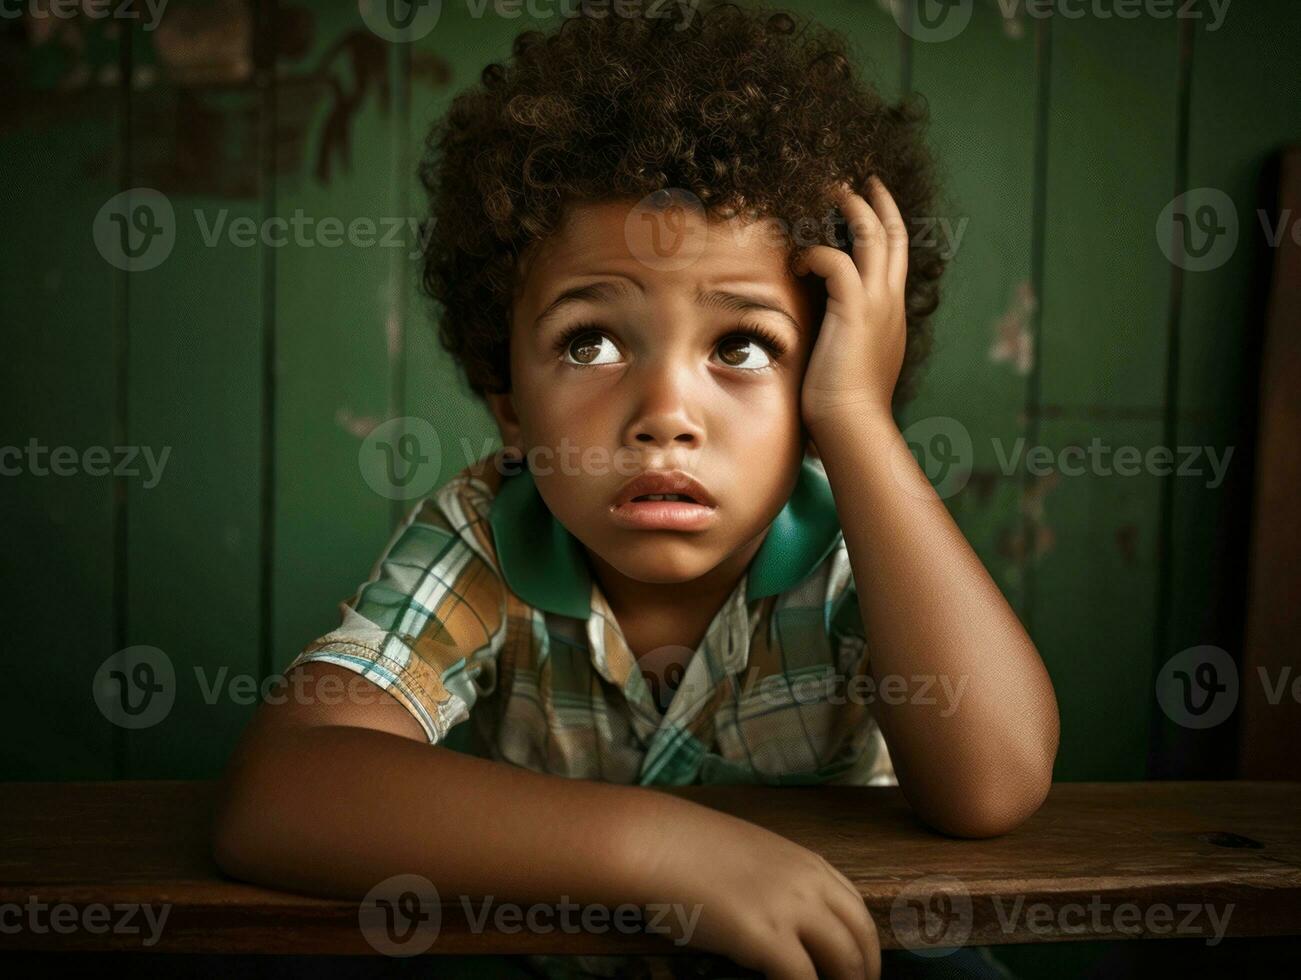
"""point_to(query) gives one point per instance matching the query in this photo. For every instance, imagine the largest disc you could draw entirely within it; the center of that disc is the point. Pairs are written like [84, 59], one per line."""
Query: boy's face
[661, 379]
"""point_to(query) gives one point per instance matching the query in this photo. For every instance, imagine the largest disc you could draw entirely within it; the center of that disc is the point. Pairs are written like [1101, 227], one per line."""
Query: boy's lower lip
[666, 515]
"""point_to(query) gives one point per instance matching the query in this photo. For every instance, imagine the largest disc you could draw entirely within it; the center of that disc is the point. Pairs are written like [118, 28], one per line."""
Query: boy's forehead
[645, 242]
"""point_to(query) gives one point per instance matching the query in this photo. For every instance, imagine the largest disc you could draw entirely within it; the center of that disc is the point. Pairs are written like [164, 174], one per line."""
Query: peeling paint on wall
[197, 102]
[357, 425]
[1013, 337]
[1127, 542]
[1031, 538]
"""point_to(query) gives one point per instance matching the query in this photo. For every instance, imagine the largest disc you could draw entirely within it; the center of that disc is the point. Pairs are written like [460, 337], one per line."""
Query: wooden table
[1099, 861]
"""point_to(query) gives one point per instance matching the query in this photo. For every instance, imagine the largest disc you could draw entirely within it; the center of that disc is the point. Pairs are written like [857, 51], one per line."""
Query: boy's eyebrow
[726, 300]
[606, 289]
[723, 299]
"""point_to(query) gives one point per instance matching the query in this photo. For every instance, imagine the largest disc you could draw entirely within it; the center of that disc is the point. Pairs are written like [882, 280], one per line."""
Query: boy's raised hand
[859, 350]
[765, 902]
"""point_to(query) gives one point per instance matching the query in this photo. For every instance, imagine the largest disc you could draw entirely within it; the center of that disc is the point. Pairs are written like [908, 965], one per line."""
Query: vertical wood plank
[442, 63]
[195, 367]
[1103, 346]
[61, 159]
[1239, 116]
[334, 308]
[982, 132]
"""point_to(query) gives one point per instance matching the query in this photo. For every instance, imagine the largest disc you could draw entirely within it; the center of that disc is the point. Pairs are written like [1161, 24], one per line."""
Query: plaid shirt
[483, 609]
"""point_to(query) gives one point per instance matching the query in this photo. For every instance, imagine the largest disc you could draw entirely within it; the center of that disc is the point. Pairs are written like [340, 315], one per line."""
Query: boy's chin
[661, 563]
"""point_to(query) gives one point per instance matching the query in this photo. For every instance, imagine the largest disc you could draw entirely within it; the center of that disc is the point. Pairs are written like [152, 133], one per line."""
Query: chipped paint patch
[1013, 338]
[1031, 537]
[358, 425]
[1127, 542]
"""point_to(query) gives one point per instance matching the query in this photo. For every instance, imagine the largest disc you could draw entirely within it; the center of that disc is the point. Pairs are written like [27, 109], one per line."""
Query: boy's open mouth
[664, 500]
[665, 485]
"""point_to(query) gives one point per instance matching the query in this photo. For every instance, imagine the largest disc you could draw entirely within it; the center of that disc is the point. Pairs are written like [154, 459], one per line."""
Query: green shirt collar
[547, 567]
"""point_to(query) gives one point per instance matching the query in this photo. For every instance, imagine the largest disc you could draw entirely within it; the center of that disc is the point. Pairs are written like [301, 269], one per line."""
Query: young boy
[634, 271]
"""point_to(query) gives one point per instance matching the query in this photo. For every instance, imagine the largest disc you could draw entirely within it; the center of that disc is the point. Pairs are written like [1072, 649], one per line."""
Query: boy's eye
[740, 352]
[754, 349]
[585, 349]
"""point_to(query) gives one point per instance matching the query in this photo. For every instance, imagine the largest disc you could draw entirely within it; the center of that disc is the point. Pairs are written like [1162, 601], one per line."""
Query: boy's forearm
[931, 610]
[333, 811]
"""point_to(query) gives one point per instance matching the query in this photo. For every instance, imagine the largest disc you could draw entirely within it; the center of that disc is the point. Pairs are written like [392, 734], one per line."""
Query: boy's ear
[502, 407]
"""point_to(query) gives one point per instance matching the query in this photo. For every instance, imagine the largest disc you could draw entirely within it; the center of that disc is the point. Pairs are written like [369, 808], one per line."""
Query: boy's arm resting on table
[982, 765]
[332, 799]
[312, 785]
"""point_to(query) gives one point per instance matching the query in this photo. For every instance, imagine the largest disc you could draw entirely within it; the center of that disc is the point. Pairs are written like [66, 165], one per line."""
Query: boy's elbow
[999, 801]
[995, 811]
[1016, 785]
[228, 852]
[235, 830]
[228, 845]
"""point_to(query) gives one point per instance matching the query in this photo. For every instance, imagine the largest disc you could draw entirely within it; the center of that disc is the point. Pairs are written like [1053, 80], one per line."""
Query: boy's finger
[896, 233]
[844, 282]
[839, 876]
[834, 947]
[791, 964]
[853, 913]
[870, 250]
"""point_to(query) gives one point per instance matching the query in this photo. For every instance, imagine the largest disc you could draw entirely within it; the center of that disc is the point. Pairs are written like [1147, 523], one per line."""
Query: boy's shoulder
[462, 507]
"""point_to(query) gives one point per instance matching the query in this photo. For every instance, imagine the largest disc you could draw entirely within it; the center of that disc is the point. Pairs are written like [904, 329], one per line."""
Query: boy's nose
[666, 430]
[665, 414]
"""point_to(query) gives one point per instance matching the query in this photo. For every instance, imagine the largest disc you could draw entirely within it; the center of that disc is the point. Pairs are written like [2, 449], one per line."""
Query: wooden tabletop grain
[126, 865]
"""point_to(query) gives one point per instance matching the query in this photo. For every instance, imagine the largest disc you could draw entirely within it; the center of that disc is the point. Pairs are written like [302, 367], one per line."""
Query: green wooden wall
[262, 367]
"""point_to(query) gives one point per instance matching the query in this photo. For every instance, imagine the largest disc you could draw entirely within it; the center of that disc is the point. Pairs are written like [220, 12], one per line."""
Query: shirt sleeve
[427, 626]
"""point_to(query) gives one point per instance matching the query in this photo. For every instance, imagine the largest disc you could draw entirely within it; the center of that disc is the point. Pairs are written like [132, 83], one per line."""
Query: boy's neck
[652, 614]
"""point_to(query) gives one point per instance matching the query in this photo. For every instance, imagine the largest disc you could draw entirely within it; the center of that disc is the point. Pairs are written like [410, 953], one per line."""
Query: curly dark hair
[746, 107]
